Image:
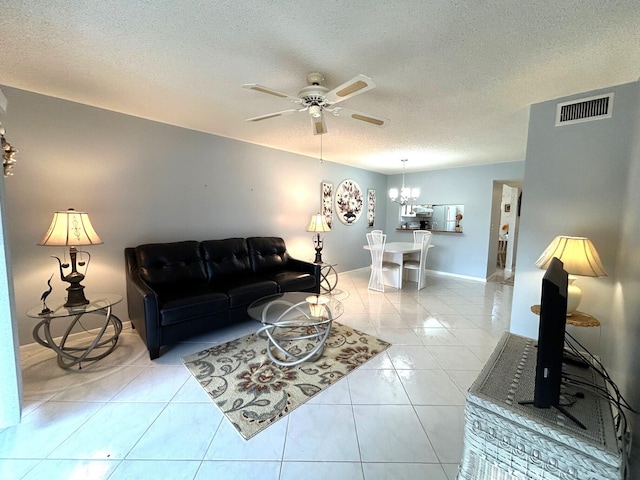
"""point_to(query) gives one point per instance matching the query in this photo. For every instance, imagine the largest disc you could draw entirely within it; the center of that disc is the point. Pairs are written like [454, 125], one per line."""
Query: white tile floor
[400, 416]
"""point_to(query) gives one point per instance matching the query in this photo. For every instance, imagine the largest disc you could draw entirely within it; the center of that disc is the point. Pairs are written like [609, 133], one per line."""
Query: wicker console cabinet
[504, 440]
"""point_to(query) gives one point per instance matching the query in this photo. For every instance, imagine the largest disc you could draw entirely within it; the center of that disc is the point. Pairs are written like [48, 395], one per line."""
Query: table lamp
[71, 228]
[318, 224]
[579, 257]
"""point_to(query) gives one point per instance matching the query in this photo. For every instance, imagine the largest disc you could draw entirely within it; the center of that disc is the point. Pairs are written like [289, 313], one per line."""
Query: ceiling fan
[316, 99]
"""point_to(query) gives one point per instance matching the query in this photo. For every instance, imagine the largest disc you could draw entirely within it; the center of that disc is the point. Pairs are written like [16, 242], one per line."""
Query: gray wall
[584, 180]
[465, 254]
[620, 345]
[142, 181]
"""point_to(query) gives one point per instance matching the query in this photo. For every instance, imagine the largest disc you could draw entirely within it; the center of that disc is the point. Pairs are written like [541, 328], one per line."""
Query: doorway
[505, 221]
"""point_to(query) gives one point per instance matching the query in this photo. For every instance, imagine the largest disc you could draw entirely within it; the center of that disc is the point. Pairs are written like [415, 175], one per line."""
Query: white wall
[10, 377]
[461, 254]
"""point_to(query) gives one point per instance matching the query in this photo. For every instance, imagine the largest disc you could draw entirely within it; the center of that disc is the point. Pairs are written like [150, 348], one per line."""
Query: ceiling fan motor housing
[314, 95]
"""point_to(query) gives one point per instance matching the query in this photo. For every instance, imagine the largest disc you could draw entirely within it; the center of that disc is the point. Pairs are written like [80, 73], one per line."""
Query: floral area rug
[253, 392]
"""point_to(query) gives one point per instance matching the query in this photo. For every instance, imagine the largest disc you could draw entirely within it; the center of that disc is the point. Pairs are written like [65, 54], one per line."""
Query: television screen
[553, 318]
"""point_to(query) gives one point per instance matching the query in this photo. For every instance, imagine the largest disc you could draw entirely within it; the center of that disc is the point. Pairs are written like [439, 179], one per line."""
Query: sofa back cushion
[224, 258]
[267, 253]
[166, 263]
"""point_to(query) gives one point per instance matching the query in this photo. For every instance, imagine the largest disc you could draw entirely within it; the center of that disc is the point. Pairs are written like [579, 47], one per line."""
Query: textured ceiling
[455, 78]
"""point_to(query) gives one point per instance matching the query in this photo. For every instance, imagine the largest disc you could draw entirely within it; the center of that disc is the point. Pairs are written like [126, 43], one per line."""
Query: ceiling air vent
[584, 110]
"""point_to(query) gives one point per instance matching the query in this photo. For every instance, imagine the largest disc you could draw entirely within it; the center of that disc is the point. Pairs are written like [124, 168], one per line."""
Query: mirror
[435, 217]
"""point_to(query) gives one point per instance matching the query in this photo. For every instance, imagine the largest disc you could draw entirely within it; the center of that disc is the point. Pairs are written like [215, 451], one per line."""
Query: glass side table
[328, 276]
[70, 355]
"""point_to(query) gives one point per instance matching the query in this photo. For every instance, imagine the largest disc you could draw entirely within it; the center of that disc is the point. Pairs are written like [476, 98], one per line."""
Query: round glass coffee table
[296, 324]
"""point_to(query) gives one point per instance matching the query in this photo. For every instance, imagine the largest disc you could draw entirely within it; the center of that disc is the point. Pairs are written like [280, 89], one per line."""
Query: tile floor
[400, 416]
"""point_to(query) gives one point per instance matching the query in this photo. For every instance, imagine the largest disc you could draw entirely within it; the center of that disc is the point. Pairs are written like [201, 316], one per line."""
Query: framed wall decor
[349, 202]
[326, 206]
[371, 207]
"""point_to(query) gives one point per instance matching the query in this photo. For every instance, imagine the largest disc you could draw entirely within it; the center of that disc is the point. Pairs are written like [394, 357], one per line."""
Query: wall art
[326, 206]
[371, 207]
[349, 202]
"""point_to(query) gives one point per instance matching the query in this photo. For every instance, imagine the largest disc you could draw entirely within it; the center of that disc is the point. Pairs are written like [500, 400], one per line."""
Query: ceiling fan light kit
[317, 99]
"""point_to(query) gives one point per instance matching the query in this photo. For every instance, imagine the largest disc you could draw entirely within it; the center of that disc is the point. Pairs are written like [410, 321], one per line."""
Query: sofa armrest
[306, 267]
[142, 305]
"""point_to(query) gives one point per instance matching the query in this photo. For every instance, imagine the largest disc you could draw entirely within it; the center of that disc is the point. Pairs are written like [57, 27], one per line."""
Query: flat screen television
[553, 318]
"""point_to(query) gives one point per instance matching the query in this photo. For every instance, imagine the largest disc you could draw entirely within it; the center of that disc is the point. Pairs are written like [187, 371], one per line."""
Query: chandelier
[406, 193]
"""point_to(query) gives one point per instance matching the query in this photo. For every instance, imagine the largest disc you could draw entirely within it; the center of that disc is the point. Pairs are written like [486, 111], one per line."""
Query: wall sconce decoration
[318, 224]
[8, 154]
[579, 257]
[406, 193]
[72, 228]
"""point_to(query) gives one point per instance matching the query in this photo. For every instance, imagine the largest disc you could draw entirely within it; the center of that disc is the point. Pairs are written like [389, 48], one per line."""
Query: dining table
[398, 252]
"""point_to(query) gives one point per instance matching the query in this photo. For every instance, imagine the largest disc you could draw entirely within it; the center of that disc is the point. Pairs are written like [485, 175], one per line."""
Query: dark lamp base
[76, 296]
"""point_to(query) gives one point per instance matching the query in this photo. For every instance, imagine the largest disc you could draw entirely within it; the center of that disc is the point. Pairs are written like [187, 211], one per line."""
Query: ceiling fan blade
[272, 115]
[270, 91]
[357, 85]
[318, 125]
[363, 117]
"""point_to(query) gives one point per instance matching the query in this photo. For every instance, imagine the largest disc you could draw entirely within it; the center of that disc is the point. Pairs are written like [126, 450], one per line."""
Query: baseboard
[433, 272]
[457, 275]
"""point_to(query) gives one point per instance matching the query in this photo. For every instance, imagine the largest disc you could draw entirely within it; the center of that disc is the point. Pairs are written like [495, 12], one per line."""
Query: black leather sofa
[180, 289]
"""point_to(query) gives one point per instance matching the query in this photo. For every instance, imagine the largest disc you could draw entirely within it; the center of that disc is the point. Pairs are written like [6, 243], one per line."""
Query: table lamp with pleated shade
[72, 229]
[580, 258]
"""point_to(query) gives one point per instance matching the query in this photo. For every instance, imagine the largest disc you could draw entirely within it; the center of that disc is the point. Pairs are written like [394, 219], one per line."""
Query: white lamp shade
[393, 193]
[70, 228]
[578, 255]
[318, 224]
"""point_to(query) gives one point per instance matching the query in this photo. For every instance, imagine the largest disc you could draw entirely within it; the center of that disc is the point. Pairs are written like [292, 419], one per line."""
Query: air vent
[584, 110]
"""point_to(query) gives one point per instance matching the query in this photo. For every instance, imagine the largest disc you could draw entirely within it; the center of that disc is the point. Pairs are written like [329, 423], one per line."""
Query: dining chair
[502, 253]
[376, 243]
[424, 238]
[418, 234]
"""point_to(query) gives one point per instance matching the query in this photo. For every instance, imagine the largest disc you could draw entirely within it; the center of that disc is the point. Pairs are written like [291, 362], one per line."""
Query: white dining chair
[424, 238]
[376, 243]
[418, 234]
[502, 252]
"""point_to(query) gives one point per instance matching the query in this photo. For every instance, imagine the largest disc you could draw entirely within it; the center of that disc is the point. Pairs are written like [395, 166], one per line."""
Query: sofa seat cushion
[244, 289]
[183, 303]
[289, 281]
